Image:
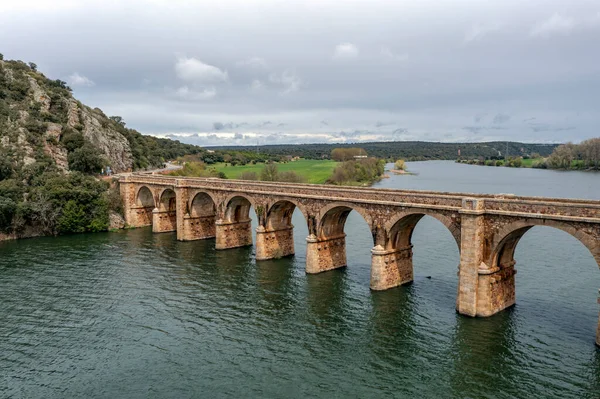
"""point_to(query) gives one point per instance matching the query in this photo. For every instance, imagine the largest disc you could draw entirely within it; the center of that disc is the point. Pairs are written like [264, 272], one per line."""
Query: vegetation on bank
[358, 172]
[583, 156]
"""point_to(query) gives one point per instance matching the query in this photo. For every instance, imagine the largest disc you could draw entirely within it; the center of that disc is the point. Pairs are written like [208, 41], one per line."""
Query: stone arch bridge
[487, 228]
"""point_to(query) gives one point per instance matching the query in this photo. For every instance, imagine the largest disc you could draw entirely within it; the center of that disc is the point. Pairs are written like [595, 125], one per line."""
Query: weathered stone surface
[115, 221]
[233, 234]
[274, 244]
[390, 268]
[487, 228]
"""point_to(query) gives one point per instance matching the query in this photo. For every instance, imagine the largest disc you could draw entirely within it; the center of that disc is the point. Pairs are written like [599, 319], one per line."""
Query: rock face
[113, 145]
[44, 110]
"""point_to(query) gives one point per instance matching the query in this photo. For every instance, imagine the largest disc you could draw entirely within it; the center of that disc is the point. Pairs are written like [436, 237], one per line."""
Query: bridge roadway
[487, 228]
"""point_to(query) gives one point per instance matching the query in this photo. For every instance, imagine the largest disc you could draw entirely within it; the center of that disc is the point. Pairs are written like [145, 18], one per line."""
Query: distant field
[315, 171]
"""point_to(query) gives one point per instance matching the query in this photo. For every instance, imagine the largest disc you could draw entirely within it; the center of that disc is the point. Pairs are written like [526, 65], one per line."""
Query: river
[138, 315]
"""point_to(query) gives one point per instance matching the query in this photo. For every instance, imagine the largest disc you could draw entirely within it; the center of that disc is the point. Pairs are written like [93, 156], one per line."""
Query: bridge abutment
[325, 254]
[233, 234]
[390, 268]
[273, 244]
[164, 221]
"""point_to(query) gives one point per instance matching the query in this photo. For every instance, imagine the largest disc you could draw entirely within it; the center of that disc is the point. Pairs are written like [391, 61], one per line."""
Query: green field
[315, 171]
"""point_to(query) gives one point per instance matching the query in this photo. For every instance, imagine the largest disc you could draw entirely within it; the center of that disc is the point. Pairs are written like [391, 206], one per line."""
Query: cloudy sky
[246, 71]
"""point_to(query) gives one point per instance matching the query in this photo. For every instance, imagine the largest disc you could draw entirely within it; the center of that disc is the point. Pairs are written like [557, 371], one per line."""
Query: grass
[313, 170]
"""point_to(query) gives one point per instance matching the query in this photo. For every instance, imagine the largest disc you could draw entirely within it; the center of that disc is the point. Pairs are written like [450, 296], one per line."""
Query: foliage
[346, 154]
[407, 150]
[249, 175]
[400, 165]
[86, 160]
[269, 172]
[197, 169]
[72, 139]
[358, 172]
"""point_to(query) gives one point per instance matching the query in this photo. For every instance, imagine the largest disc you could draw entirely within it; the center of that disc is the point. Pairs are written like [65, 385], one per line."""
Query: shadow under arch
[144, 201]
[326, 244]
[502, 257]
[199, 221]
[275, 232]
[233, 228]
[164, 216]
[401, 227]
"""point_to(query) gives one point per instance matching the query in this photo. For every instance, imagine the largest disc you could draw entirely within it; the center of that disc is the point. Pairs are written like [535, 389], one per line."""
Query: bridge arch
[399, 229]
[506, 240]
[202, 204]
[167, 200]
[237, 208]
[331, 219]
[279, 214]
[144, 197]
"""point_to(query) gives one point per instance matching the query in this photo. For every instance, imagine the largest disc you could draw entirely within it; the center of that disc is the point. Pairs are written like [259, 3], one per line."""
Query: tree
[400, 165]
[269, 172]
[72, 140]
[85, 160]
[118, 120]
[33, 66]
[1, 57]
[5, 167]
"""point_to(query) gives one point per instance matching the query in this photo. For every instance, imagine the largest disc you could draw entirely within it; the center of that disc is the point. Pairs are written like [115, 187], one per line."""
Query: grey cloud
[501, 118]
[459, 75]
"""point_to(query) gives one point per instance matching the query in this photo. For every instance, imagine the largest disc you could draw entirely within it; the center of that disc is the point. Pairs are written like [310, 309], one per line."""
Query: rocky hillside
[39, 116]
[51, 146]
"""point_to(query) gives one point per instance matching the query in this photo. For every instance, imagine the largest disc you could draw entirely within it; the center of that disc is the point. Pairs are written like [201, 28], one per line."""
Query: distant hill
[408, 150]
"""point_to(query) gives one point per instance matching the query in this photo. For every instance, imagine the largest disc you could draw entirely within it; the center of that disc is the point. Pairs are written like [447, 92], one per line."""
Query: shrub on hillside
[86, 160]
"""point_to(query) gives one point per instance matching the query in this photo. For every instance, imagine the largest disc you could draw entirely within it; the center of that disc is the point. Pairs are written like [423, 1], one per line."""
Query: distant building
[360, 156]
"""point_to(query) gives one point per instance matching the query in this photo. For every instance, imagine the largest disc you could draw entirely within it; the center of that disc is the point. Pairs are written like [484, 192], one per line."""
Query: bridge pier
[325, 254]
[164, 221]
[390, 268]
[273, 244]
[197, 228]
[232, 234]
[495, 289]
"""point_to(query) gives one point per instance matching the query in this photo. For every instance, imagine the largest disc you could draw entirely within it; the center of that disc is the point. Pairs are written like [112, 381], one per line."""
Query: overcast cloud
[247, 72]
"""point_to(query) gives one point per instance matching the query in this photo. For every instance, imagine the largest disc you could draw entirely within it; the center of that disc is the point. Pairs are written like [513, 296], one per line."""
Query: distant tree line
[407, 150]
[585, 155]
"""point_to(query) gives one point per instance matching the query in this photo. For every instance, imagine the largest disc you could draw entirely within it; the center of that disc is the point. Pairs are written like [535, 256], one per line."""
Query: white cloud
[345, 51]
[478, 31]
[196, 94]
[256, 84]
[288, 79]
[556, 24]
[253, 62]
[386, 52]
[194, 70]
[79, 80]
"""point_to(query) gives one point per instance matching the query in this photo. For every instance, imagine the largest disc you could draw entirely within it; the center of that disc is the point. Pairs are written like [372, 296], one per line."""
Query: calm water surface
[135, 314]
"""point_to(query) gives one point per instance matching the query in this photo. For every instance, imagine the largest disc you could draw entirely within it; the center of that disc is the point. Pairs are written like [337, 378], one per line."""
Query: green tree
[72, 219]
[85, 160]
[269, 172]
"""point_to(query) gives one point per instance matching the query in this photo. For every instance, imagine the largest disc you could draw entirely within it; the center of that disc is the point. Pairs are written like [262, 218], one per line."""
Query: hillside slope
[51, 148]
[40, 118]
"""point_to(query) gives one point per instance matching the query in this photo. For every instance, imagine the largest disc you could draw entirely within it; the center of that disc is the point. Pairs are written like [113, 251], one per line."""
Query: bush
[7, 211]
[400, 165]
[85, 160]
[291, 177]
[249, 176]
[269, 172]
